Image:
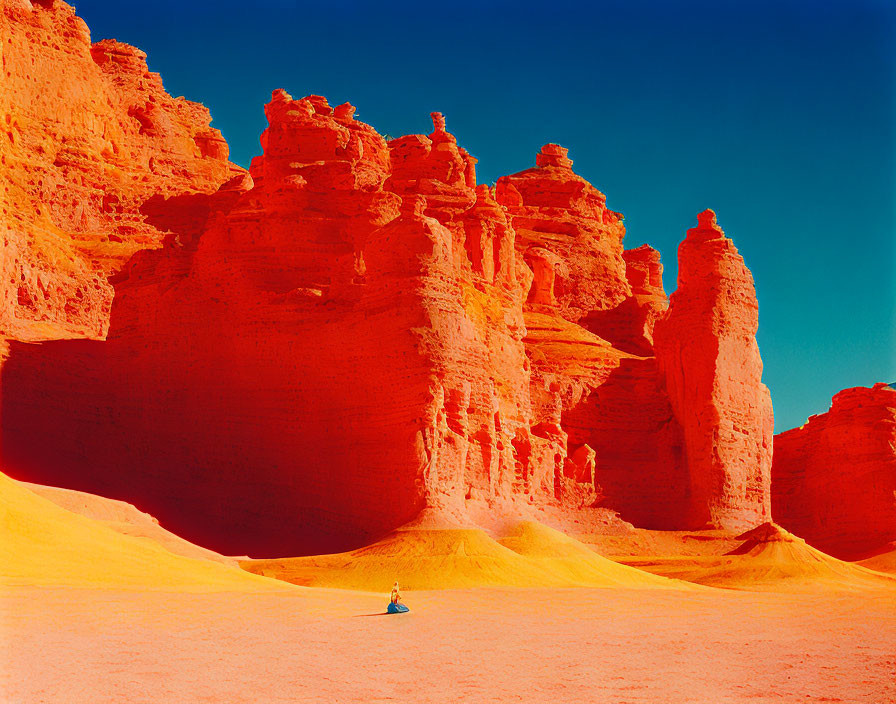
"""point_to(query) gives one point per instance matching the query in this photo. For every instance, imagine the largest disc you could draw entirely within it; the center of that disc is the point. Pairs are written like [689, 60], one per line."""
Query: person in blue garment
[395, 605]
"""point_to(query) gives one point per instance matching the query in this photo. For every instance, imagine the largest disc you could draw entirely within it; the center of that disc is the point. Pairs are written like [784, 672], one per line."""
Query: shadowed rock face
[355, 331]
[629, 326]
[834, 478]
[321, 357]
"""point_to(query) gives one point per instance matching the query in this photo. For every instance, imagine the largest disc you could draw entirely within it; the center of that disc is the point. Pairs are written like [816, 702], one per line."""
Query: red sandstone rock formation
[87, 135]
[834, 478]
[640, 470]
[355, 332]
[363, 372]
[707, 352]
[629, 326]
[553, 209]
[573, 245]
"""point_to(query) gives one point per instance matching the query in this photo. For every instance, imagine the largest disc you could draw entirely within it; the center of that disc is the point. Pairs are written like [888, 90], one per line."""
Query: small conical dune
[769, 559]
[575, 562]
[533, 555]
[44, 544]
[418, 558]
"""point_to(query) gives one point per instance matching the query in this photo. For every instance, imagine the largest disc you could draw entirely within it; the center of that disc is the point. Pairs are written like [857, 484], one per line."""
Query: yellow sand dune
[884, 562]
[769, 559]
[419, 558]
[455, 558]
[44, 544]
[575, 562]
[125, 518]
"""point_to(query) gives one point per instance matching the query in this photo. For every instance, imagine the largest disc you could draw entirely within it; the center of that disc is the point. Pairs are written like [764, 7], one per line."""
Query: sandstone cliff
[88, 137]
[355, 332]
[706, 349]
[326, 355]
[834, 478]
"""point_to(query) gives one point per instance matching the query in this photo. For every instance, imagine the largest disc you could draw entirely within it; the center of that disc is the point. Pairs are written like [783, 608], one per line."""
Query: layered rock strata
[88, 135]
[323, 355]
[355, 332]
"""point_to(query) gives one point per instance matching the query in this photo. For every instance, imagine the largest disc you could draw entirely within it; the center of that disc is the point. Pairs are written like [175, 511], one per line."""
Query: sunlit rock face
[554, 210]
[355, 332]
[834, 478]
[707, 352]
[88, 137]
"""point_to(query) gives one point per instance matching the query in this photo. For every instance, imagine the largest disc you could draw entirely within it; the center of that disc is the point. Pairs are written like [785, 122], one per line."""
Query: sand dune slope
[44, 544]
[419, 558]
[769, 559]
[126, 519]
[884, 562]
[561, 555]
[453, 558]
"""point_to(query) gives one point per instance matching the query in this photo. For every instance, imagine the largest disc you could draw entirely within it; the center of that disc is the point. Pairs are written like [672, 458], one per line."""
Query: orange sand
[640, 541]
[885, 562]
[769, 558]
[481, 645]
[531, 555]
[126, 519]
[558, 554]
[88, 614]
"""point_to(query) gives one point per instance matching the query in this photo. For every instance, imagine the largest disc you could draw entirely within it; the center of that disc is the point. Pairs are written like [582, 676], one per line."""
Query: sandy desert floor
[93, 609]
[74, 645]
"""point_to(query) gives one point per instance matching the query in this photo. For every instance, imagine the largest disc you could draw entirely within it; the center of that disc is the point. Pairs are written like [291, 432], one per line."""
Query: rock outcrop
[88, 135]
[322, 356]
[706, 349]
[834, 478]
[355, 333]
[629, 325]
[563, 226]
[597, 407]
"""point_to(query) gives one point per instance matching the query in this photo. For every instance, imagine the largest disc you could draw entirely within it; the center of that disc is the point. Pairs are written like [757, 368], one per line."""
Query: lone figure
[395, 605]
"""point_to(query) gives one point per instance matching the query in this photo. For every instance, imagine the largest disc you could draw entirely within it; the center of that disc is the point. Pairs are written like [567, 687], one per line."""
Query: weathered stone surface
[640, 470]
[629, 326]
[322, 356]
[553, 209]
[591, 397]
[354, 334]
[834, 478]
[87, 135]
[707, 353]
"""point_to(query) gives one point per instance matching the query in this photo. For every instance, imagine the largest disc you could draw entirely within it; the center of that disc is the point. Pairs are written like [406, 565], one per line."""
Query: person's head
[395, 586]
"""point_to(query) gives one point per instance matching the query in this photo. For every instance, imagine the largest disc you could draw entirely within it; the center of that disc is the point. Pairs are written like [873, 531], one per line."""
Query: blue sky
[781, 116]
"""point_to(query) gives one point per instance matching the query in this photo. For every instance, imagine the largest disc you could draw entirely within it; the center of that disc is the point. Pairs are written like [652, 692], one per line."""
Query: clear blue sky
[779, 115]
